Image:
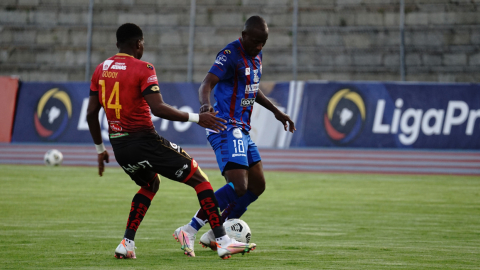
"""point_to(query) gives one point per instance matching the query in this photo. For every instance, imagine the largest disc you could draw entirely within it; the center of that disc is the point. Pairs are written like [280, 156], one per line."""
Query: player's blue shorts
[234, 145]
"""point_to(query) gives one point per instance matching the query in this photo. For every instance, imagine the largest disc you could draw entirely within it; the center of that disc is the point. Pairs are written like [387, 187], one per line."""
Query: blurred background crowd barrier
[380, 40]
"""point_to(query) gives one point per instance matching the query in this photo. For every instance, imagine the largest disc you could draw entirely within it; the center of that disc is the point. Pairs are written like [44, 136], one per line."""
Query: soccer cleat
[234, 247]
[126, 249]
[186, 240]
[208, 240]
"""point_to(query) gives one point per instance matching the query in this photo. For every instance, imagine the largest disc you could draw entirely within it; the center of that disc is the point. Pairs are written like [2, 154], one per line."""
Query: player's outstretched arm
[94, 127]
[204, 92]
[282, 117]
[209, 120]
[163, 110]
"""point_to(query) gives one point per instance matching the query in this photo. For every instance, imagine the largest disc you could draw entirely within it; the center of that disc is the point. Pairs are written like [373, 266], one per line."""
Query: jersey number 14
[115, 94]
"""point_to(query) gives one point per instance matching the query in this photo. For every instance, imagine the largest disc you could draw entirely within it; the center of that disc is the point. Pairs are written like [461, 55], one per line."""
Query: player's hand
[101, 166]
[206, 108]
[286, 121]
[209, 120]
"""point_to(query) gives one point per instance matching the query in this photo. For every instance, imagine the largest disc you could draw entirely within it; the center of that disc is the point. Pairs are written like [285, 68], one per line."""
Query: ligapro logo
[54, 109]
[345, 116]
[409, 122]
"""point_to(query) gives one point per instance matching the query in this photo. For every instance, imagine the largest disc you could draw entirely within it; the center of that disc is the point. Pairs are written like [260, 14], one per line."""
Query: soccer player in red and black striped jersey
[127, 89]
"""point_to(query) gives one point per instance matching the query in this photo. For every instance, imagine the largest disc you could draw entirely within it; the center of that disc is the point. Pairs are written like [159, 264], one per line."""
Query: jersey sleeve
[94, 82]
[148, 76]
[224, 66]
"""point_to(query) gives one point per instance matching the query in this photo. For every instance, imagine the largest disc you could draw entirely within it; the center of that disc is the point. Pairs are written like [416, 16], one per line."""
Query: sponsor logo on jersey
[237, 133]
[344, 117]
[247, 71]
[179, 172]
[118, 135]
[120, 66]
[227, 52]
[256, 79]
[152, 78]
[109, 74]
[252, 88]
[54, 110]
[115, 127]
[233, 121]
[106, 64]
[246, 102]
[150, 66]
[141, 164]
[221, 59]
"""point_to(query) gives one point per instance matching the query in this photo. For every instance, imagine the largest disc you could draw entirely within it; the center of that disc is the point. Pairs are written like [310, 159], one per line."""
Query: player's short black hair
[255, 22]
[129, 32]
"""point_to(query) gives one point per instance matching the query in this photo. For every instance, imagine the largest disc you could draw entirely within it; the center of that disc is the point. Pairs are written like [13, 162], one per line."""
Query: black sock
[140, 204]
[209, 204]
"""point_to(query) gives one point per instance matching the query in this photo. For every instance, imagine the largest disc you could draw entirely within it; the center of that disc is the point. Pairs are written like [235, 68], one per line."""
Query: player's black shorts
[142, 156]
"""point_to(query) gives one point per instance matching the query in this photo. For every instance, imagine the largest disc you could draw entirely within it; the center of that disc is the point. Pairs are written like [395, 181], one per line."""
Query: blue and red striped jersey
[237, 89]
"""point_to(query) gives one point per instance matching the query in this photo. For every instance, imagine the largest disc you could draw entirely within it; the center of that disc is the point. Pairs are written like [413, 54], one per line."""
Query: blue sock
[195, 224]
[239, 206]
[225, 195]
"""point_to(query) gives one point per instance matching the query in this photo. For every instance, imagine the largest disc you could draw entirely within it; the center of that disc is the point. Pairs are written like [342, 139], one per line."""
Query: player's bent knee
[240, 190]
[239, 179]
[155, 185]
[197, 178]
[203, 174]
[261, 187]
[257, 190]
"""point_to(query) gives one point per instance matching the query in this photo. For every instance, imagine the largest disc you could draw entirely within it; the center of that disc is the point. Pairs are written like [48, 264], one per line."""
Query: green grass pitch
[69, 218]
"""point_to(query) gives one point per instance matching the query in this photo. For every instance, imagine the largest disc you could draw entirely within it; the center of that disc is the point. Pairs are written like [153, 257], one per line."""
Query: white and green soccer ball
[53, 157]
[238, 230]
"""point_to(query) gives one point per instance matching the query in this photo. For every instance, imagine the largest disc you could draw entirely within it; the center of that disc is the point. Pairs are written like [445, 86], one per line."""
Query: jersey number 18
[241, 148]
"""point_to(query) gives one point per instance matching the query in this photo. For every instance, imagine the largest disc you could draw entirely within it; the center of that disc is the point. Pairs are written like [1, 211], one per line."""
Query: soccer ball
[53, 157]
[238, 230]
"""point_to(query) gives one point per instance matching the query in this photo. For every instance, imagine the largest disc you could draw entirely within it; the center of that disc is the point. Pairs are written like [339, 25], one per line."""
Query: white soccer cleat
[186, 240]
[126, 249]
[208, 240]
[226, 250]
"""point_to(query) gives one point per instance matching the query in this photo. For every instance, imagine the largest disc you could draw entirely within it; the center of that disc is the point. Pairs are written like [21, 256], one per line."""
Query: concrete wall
[45, 40]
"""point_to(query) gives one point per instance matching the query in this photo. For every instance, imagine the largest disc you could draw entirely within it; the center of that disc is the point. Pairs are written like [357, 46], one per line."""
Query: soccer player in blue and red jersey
[235, 78]
[127, 89]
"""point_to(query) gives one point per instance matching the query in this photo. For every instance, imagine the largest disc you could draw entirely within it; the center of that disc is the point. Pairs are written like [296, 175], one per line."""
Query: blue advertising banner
[49, 112]
[56, 112]
[391, 115]
[326, 114]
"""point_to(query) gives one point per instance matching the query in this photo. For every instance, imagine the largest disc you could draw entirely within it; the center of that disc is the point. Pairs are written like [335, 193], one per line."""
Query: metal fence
[295, 11]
